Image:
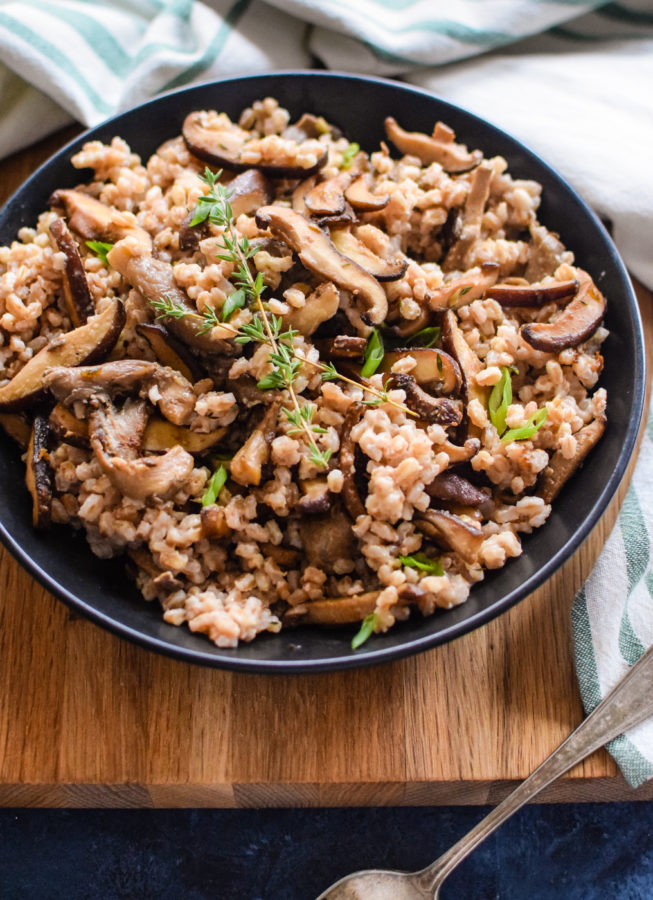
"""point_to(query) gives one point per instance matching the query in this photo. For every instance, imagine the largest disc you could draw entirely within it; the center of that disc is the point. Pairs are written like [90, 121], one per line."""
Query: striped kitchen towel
[571, 78]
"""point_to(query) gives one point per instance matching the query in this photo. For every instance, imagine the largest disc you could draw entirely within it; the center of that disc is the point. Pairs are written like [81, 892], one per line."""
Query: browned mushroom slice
[560, 470]
[343, 346]
[246, 466]
[17, 428]
[285, 557]
[381, 269]
[454, 488]
[440, 147]
[161, 435]
[451, 532]
[408, 327]
[170, 352]
[435, 410]
[436, 370]
[299, 195]
[533, 295]
[575, 324]
[162, 579]
[318, 254]
[213, 521]
[472, 216]
[88, 343]
[38, 473]
[469, 363]
[350, 495]
[327, 539]
[95, 221]
[361, 197]
[465, 289]
[155, 279]
[67, 427]
[309, 126]
[116, 436]
[174, 394]
[77, 295]
[346, 217]
[327, 197]
[315, 499]
[321, 304]
[339, 610]
[224, 148]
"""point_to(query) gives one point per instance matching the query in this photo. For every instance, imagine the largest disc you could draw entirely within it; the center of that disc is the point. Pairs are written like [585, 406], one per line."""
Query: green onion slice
[426, 337]
[215, 485]
[526, 431]
[373, 354]
[100, 248]
[366, 631]
[423, 562]
[500, 400]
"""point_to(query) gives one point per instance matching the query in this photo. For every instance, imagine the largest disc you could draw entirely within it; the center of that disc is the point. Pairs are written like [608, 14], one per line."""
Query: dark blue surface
[563, 852]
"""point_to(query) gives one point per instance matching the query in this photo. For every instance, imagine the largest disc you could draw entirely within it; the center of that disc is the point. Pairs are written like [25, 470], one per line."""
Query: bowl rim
[368, 656]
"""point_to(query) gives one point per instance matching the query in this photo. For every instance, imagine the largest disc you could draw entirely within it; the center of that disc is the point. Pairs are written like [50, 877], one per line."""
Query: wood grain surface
[87, 720]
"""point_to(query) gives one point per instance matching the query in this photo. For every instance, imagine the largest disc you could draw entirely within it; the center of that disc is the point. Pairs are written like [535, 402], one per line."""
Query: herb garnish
[348, 155]
[215, 484]
[367, 629]
[533, 424]
[425, 337]
[423, 562]
[373, 354]
[100, 248]
[500, 400]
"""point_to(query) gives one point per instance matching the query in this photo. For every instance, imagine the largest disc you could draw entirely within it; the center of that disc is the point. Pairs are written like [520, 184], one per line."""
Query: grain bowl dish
[292, 382]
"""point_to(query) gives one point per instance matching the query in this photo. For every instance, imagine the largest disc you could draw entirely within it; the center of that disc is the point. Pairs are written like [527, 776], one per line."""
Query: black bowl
[100, 590]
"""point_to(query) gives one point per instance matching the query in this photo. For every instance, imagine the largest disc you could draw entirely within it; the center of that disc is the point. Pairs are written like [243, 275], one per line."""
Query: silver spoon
[628, 704]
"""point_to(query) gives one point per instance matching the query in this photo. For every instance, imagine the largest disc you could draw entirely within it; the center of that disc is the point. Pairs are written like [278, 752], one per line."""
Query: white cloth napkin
[572, 79]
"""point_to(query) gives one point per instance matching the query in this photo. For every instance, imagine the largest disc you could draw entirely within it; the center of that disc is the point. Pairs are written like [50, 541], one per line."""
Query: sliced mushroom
[533, 296]
[170, 352]
[353, 248]
[315, 499]
[450, 231]
[575, 324]
[454, 488]
[77, 294]
[247, 464]
[95, 221]
[247, 192]
[439, 148]
[318, 254]
[472, 216]
[436, 370]
[285, 557]
[321, 304]
[362, 198]
[115, 438]
[346, 217]
[409, 327]
[161, 435]
[171, 391]
[299, 195]
[327, 539]
[560, 470]
[435, 410]
[469, 363]
[38, 473]
[224, 149]
[451, 532]
[350, 495]
[67, 427]
[466, 288]
[338, 610]
[163, 580]
[344, 346]
[213, 519]
[17, 428]
[87, 344]
[155, 279]
[546, 253]
[309, 126]
[327, 198]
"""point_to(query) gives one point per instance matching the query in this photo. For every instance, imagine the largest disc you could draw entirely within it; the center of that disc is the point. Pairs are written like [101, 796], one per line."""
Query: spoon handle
[628, 704]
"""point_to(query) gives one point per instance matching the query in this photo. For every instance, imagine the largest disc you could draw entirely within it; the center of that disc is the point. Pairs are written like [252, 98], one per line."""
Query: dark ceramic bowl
[100, 589]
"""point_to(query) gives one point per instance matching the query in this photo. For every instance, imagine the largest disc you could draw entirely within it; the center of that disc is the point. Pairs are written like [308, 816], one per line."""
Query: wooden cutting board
[87, 720]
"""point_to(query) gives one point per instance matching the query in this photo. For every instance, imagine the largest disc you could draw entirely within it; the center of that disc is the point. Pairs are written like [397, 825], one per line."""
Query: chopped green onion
[500, 400]
[215, 485]
[534, 423]
[348, 155]
[426, 337]
[423, 562]
[100, 248]
[232, 303]
[373, 354]
[366, 630]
